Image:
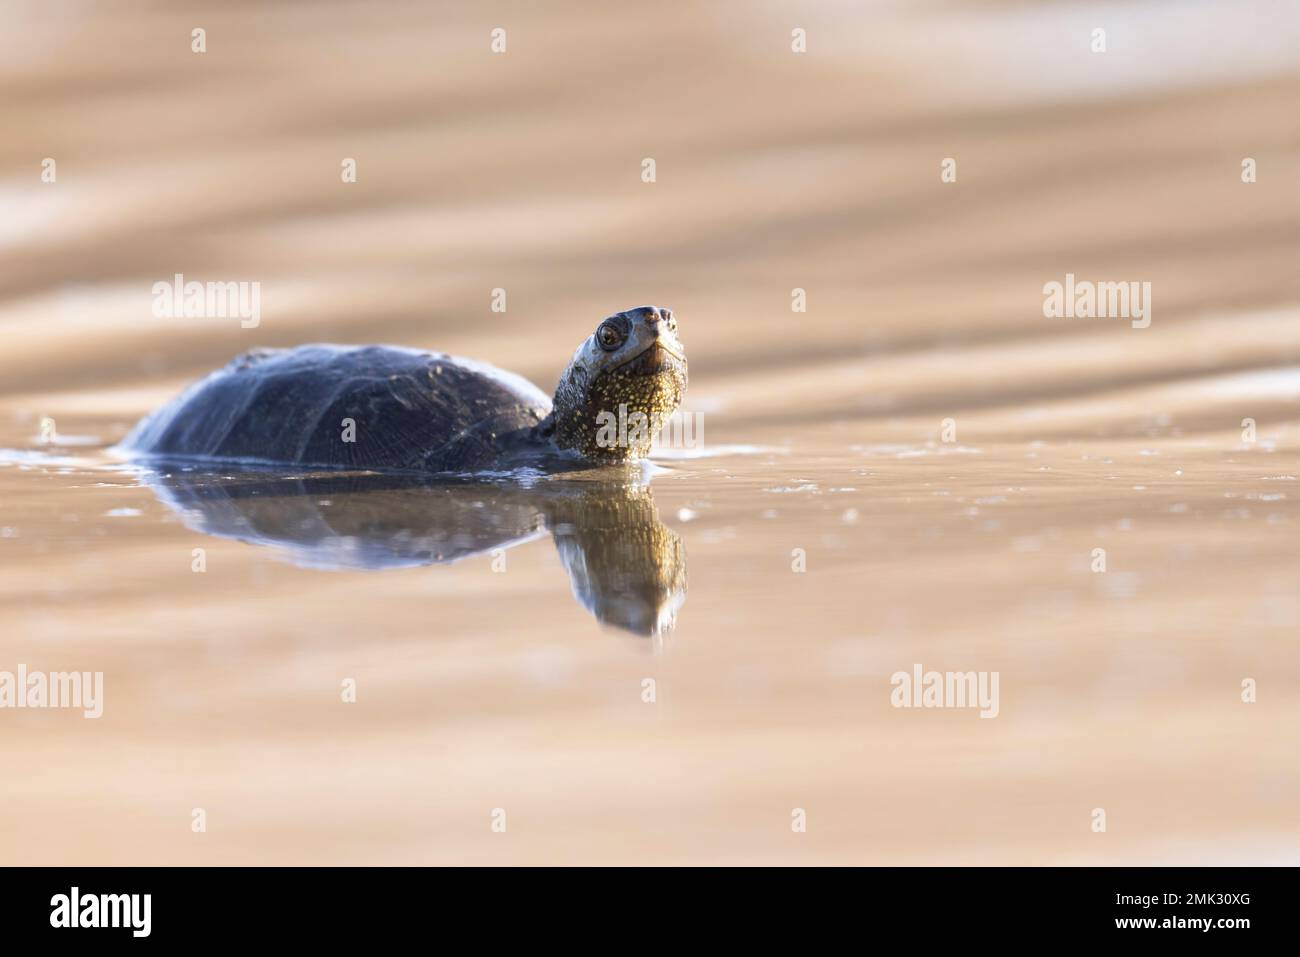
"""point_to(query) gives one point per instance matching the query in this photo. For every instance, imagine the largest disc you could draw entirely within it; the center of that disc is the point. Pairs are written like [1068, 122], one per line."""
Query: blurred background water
[824, 429]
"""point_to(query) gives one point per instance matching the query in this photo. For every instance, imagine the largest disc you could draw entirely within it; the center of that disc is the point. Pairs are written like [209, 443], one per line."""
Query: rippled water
[919, 469]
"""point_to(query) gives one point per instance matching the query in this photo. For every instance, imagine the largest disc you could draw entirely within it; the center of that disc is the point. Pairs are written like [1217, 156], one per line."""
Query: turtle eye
[609, 336]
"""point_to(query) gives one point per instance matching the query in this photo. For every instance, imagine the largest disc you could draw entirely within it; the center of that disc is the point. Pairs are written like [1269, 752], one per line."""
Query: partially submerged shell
[347, 407]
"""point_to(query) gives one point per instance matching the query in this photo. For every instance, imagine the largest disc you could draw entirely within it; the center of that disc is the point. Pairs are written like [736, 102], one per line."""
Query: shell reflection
[625, 566]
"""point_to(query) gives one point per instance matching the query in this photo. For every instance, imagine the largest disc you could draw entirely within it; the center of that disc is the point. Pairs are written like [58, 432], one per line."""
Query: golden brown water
[959, 545]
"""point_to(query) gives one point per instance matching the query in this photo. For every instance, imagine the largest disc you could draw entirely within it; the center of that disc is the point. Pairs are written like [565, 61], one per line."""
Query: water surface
[920, 468]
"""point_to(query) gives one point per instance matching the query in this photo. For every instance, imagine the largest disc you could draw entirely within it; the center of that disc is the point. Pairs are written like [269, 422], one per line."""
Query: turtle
[625, 566]
[380, 407]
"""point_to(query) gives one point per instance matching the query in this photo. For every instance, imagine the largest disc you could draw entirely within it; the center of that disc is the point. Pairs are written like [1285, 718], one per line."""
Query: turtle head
[623, 383]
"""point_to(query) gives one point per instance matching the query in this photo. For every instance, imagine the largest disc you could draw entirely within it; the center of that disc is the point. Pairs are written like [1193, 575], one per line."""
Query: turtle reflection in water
[626, 567]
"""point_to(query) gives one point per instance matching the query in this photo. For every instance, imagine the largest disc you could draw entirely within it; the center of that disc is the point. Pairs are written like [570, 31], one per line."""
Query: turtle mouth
[652, 360]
